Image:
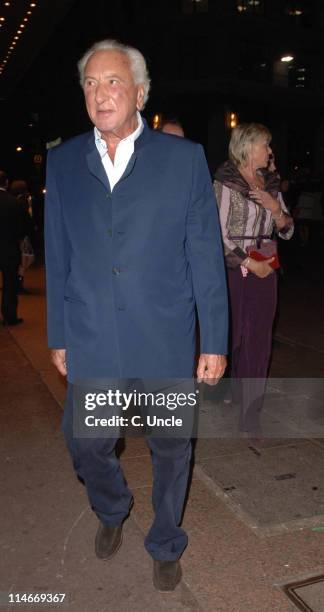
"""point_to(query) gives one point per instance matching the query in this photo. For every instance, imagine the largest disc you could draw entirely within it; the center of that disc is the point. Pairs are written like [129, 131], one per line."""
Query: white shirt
[124, 151]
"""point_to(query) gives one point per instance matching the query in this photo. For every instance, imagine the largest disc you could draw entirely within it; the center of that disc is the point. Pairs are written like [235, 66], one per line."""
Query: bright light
[7, 3]
[44, 191]
[2, 19]
[241, 8]
[156, 121]
[19, 32]
[287, 58]
[16, 37]
[233, 122]
[22, 25]
[33, 4]
[25, 18]
[18, 149]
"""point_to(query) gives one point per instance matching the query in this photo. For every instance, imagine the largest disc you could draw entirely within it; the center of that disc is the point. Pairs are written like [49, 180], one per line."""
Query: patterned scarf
[229, 175]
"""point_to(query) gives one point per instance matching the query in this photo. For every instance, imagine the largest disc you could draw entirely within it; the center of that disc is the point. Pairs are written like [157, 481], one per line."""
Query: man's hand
[58, 358]
[211, 368]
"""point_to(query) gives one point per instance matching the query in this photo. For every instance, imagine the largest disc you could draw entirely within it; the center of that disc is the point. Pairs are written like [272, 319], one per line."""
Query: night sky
[204, 59]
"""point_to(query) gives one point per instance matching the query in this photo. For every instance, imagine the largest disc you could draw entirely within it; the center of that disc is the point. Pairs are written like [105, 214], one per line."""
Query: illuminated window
[302, 12]
[295, 9]
[194, 6]
[300, 77]
[250, 6]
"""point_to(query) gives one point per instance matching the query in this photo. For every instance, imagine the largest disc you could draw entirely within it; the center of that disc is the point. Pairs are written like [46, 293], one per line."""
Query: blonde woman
[252, 215]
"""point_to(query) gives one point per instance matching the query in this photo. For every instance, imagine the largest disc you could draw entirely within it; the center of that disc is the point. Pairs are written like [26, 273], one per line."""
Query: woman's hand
[266, 200]
[262, 269]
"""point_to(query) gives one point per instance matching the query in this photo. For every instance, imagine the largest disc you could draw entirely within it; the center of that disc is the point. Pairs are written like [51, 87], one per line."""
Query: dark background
[206, 58]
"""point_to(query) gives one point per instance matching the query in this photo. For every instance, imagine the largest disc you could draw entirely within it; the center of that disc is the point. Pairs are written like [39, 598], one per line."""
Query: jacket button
[116, 271]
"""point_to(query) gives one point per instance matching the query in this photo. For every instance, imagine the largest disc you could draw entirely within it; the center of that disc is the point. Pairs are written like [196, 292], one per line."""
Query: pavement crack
[66, 541]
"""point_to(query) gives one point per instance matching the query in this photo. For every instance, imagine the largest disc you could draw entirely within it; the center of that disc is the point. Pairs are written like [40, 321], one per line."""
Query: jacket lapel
[140, 142]
[95, 164]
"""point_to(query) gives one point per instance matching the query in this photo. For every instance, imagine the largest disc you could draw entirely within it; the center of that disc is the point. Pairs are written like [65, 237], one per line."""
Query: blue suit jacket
[125, 269]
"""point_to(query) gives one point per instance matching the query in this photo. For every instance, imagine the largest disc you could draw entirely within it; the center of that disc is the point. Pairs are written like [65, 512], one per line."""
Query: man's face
[111, 96]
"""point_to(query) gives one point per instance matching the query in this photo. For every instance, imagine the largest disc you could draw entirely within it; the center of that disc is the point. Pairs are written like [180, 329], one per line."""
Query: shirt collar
[101, 143]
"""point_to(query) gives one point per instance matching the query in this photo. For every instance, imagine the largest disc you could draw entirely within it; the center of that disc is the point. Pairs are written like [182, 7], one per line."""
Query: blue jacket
[126, 269]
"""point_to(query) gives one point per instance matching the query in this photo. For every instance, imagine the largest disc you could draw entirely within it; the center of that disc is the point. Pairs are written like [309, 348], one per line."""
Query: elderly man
[132, 249]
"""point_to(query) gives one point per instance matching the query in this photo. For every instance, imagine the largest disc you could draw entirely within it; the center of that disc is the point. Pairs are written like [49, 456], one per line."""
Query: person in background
[287, 193]
[172, 126]
[19, 190]
[12, 230]
[251, 211]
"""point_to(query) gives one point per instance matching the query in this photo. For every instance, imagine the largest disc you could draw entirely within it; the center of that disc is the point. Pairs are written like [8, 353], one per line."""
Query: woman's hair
[242, 138]
[135, 57]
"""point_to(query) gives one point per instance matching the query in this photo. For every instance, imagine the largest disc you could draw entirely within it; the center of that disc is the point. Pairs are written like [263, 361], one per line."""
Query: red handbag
[264, 251]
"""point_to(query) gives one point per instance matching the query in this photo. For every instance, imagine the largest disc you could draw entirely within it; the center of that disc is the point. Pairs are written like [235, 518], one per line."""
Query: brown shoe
[166, 575]
[108, 541]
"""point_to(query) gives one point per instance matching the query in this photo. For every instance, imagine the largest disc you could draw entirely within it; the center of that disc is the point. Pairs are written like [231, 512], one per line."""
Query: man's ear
[140, 97]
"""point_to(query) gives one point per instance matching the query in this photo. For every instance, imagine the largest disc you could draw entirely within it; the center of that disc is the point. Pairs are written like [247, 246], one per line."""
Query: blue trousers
[96, 463]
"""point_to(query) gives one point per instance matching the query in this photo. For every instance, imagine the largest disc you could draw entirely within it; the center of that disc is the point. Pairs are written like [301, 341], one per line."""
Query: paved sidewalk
[245, 539]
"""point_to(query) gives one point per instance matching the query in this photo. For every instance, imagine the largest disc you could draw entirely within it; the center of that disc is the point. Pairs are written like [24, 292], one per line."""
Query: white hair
[136, 60]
